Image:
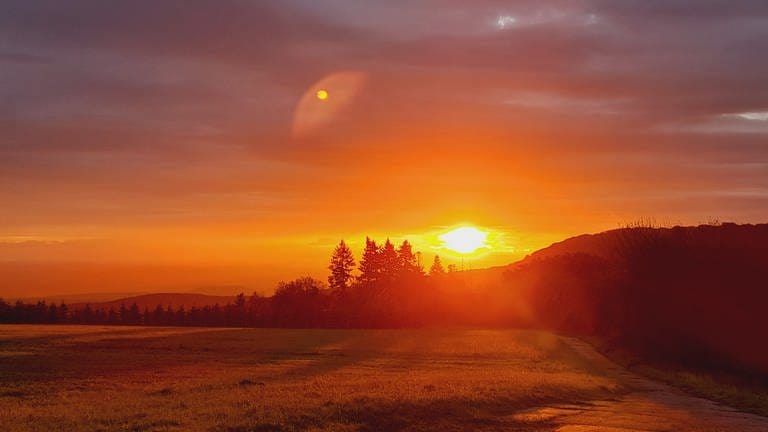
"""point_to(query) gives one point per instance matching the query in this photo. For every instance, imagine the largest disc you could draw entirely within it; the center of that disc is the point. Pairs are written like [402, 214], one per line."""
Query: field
[143, 379]
[65, 378]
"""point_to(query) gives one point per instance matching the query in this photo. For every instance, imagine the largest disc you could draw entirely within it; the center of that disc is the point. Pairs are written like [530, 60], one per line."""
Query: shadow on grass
[451, 414]
[46, 359]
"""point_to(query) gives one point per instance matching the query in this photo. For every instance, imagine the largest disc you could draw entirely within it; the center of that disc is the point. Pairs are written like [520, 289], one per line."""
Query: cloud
[753, 116]
[149, 113]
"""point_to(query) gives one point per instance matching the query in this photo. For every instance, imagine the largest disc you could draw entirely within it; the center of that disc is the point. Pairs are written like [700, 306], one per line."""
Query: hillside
[606, 244]
[150, 301]
[689, 295]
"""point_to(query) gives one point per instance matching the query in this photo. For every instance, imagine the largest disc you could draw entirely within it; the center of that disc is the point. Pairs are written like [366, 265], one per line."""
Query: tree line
[388, 287]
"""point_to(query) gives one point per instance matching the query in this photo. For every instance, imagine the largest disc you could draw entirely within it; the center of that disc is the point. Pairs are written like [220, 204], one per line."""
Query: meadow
[65, 378]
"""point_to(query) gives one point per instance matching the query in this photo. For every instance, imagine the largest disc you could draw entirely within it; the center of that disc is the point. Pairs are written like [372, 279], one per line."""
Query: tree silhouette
[123, 314]
[134, 315]
[298, 303]
[390, 264]
[370, 263]
[53, 314]
[341, 266]
[407, 261]
[437, 267]
[112, 317]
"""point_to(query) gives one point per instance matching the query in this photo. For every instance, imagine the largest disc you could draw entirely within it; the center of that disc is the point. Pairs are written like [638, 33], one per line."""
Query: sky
[186, 134]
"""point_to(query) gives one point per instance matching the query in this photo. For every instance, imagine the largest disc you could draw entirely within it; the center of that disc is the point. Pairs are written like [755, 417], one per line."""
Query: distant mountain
[79, 298]
[150, 301]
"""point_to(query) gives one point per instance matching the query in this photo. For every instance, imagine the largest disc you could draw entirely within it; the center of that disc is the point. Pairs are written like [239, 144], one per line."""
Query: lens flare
[317, 109]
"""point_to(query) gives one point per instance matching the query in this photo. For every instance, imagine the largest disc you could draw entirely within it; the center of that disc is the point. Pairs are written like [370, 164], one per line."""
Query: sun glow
[322, 94]
[464, 239]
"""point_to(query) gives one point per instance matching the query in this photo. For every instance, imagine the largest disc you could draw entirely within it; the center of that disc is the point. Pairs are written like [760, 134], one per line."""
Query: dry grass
[741, 391]
[142, 379]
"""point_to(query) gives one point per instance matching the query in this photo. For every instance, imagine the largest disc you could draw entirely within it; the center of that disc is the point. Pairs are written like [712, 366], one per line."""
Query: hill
[607, 244]
[693, 296]
[95, 297]
[150, 301]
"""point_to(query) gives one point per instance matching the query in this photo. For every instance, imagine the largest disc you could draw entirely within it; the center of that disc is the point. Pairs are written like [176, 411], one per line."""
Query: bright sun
[322, 94]
[464, 239]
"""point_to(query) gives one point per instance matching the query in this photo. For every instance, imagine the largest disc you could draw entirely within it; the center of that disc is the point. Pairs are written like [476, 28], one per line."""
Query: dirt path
[649, 406]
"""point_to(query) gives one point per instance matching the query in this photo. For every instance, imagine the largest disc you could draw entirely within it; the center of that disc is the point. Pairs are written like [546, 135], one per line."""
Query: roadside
[737, 391]
[648, 406]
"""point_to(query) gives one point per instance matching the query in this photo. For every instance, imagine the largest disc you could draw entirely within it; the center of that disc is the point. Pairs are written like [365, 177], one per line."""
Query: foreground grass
[141, 379]
[738, 391]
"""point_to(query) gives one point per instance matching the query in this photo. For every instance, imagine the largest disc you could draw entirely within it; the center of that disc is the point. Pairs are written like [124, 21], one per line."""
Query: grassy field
[141, 379]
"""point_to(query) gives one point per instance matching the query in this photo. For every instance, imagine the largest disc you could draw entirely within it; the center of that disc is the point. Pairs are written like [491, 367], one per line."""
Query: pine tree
[342, 264]
[88, 315]
[370, 263]
[407, 260]
[239, 309]
[390, 264]
[134, 315]
[437, 267]
[123, 315]
[63, 312]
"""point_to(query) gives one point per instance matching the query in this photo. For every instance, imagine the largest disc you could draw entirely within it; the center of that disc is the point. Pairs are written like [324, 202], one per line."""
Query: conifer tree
[407, 260]
[390, 265]
[370, 263]
[437, 267]
[341, 266]
[134, 315]
[123, 314]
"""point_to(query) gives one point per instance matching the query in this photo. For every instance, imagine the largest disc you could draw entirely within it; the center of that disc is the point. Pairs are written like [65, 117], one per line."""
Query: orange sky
[191, 137]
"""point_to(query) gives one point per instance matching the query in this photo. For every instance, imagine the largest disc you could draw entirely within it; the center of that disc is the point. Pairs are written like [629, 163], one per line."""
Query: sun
[322, 94]
[464, 239]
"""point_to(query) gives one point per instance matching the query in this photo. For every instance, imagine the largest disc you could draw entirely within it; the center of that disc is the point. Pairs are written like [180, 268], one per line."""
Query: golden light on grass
[464, 239]
[219, 380]
[322, 94]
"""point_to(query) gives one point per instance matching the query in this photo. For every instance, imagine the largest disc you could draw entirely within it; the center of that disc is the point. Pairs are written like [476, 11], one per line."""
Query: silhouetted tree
[408, 261]
[341, 266]
[437, 267]
[299, 303]
[239, 310]
[180, 317]
[390, 265]
[158, 316]
[370, 263]
[258, 307]
[133, 315]
[53, 314]
[123, 314]
[169, 318]
[63, 312]
[112, 317]
[5, 311]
